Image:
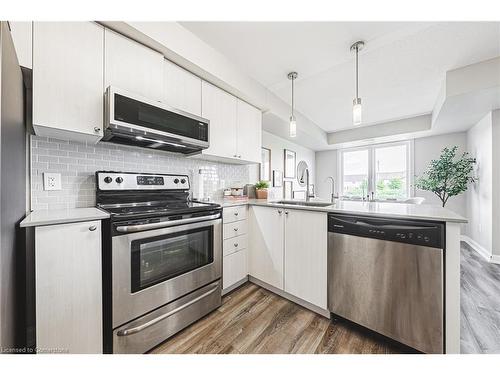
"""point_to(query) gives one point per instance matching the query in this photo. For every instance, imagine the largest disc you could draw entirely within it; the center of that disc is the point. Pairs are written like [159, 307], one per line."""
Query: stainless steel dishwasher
[387, 275]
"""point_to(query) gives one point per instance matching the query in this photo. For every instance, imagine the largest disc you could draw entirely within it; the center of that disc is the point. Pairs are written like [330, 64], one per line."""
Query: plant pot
[261, 193]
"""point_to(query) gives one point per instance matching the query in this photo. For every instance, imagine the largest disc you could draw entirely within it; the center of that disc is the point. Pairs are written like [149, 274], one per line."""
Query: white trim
[495, 259]
[478, 248]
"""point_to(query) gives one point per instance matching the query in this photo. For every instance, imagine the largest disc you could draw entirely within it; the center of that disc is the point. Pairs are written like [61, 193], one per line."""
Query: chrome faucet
[332, 196]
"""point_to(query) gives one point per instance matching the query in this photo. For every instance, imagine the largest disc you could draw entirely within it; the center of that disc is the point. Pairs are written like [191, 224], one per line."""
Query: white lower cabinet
[266, 251]
[288, 250]
[235, 268]
[68, 287]
[306, 235]
[234, 247]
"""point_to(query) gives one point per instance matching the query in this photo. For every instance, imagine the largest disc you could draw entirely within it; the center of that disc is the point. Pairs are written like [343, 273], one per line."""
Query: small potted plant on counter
[261, 189]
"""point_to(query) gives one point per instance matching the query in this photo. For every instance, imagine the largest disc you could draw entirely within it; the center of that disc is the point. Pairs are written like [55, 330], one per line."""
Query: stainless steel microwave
[134, 120]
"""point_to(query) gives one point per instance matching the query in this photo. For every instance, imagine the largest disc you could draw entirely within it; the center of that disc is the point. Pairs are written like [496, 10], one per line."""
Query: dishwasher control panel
[416, 232]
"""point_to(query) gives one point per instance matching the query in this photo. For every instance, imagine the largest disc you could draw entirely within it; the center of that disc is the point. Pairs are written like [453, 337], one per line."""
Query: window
[384, 170]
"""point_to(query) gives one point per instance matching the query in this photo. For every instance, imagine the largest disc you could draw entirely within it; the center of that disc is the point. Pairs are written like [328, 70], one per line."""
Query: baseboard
[234, 286]
[495, 259]
[479, 249]
[282, 293]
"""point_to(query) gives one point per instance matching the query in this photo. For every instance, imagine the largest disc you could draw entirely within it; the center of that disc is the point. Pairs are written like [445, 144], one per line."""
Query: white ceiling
[401, 68]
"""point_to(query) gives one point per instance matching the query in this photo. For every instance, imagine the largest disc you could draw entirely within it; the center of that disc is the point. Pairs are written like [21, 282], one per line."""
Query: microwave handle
[164, 224]
[131, 331]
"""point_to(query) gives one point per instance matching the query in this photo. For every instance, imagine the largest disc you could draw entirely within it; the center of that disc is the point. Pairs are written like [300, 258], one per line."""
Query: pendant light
[292, 76]
[356, 103]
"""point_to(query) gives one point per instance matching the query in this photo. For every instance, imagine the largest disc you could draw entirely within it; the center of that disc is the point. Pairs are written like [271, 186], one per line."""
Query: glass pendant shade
[293, 127]
[356, 111]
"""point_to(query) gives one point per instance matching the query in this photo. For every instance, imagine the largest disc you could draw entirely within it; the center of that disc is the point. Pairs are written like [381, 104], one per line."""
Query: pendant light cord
[293, 95]
[357, 72]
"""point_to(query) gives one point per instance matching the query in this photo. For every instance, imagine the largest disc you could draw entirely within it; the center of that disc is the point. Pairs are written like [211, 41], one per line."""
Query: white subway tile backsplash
[78, 162]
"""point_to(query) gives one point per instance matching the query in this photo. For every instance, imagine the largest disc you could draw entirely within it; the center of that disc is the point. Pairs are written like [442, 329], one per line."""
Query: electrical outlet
[52, 181]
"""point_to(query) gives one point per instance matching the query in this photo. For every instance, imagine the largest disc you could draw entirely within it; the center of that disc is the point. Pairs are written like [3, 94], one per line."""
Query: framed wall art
[289, 162]
[265, 164]
[277, 178]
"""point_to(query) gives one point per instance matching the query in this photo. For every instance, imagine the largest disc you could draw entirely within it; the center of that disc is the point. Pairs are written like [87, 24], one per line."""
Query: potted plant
[447, 176]
[261, 189]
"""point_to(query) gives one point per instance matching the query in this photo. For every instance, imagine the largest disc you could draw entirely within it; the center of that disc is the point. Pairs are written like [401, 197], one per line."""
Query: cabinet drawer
[235, 229]
[232, 214]
[234, 268]
[232, 245]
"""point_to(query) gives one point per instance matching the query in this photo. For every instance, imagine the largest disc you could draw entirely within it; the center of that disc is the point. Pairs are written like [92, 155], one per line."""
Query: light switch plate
[52, 181]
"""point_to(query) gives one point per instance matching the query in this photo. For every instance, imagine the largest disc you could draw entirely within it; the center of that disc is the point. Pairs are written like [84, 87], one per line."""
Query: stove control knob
[183, 181]
[176, 181]
[108, 179]
[119, 180]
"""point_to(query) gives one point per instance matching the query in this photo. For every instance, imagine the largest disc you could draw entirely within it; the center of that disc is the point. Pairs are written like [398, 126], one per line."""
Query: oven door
[155, 267]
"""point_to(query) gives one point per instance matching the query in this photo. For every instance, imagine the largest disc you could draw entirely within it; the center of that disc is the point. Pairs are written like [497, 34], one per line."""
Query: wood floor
[254, 320]
[480, 304]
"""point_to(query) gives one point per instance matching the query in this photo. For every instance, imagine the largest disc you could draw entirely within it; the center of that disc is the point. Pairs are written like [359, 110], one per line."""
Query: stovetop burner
[130, 195]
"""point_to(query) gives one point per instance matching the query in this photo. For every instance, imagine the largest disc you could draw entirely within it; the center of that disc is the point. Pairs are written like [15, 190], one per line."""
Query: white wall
[496, 185]
[429, 148]
[480, 194]
[277, 146]
[326, 165]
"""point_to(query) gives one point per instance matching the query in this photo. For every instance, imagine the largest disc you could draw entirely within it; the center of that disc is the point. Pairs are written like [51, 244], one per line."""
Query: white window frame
[410, 190]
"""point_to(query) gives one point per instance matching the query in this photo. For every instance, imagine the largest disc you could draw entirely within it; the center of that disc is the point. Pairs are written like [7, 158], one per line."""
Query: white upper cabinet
[249, 132]
[235, 127]
[306, 235]
[22, 35]
[133, 67]
[221, 109]
[266, 247]
[68, 80]
[181, 89]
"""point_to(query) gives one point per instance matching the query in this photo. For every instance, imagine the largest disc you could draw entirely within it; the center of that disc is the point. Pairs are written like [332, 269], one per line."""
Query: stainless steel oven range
[162, 258]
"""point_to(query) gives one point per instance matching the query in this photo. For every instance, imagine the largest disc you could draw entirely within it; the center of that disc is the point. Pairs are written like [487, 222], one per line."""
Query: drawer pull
[235, 245]
[235, 214]
[92, 228]
[235, 229]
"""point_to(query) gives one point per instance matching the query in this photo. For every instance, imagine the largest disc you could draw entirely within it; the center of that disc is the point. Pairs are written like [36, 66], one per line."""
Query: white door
[181, 89]
[68, 80]
[220, 108]
[265, 245]
[132, 67]
[306, 235]
[249, 132]
[68, 287]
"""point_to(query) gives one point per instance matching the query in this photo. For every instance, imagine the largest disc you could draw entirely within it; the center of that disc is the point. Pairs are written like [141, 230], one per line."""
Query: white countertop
[72, 215]
[380, 209]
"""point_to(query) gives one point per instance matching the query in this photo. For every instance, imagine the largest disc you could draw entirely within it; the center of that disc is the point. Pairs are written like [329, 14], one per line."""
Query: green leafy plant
[262, 185]
[447, 176]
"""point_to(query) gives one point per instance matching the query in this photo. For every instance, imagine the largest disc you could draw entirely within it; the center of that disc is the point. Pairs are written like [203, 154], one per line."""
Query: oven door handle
[164, 224]
[139, 328]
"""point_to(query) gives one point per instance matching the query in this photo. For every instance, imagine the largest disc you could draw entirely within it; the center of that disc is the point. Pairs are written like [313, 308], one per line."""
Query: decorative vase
[261, 193]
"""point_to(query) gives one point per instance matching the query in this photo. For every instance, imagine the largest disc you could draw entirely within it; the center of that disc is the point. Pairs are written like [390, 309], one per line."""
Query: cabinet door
[249, 132]
[234, 268]
[68, 287]
[22, 35]
[181, 89]
[68, 80]
[220, 108]
[266, 234]
[306, 236]
[133, 67]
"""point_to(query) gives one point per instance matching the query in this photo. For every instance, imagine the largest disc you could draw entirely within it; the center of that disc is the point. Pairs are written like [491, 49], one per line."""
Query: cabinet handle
[92, 228]
[235, 245]
[279, 212]
[286, 213]
[235, 229]
[236, 214]
[97, 130]
[235, 156]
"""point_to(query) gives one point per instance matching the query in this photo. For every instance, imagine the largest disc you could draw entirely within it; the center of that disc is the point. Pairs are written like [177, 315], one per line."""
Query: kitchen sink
[304, 203]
